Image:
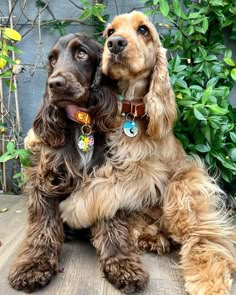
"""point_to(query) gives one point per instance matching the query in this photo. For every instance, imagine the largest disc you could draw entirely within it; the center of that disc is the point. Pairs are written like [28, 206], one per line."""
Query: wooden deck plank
[81, 275]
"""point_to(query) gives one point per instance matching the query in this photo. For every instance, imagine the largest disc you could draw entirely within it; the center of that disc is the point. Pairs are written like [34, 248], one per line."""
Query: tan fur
[32, 142]
[152, 168]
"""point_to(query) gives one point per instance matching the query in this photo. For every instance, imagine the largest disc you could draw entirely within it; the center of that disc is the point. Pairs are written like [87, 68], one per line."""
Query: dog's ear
[98, 75]
[160, 101]
[50, 124]
[103, 102]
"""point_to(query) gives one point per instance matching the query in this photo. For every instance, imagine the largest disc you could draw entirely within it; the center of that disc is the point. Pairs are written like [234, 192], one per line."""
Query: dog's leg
[37, 259]
[151, 239]
[118, 256]
[195, 218]
[149, 233]
[111, 189]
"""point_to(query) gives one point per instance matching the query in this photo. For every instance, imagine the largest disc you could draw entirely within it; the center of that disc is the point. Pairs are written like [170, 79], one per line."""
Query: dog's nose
[117, 44]
[57, 82]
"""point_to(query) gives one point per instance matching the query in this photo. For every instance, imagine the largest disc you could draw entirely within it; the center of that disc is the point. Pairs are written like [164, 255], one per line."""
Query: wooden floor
[81, 274]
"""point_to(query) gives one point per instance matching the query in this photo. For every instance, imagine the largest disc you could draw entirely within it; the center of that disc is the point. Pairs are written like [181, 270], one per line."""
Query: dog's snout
[117, 44]
[57, 82]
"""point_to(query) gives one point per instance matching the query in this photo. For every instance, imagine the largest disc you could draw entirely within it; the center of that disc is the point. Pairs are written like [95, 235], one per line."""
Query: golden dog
[147, 165]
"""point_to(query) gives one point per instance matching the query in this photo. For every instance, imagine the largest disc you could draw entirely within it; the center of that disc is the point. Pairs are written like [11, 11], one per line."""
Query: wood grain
[81, 275]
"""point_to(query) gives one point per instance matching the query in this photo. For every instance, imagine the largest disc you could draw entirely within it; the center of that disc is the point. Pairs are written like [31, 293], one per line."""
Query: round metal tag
[130, 128]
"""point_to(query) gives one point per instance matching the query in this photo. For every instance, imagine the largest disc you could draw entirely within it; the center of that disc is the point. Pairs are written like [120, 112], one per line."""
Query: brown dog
[78, 102]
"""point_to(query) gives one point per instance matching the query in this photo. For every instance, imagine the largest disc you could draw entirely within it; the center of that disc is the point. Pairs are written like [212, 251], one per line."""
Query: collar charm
[86, 139]
[81, 115]
[130, 128]
[132, 109]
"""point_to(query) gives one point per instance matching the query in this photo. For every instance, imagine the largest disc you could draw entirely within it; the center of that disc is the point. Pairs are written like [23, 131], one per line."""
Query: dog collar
[135, 107]
[79, 115]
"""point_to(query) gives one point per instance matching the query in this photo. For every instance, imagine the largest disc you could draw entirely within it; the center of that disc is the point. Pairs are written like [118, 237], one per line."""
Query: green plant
[202, 78]
[20, 157]
[89, 14]
[10, 135]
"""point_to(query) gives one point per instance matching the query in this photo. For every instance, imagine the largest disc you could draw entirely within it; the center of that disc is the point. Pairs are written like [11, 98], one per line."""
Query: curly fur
[152, 168]
[74, 78]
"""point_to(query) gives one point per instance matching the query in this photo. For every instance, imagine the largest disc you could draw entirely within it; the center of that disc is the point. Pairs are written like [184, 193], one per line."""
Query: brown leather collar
[135, 107]
[79, 115]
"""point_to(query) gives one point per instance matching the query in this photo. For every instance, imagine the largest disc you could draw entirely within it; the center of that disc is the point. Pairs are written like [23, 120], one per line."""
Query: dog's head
[133, 51]
[131, 41]
[74, 78]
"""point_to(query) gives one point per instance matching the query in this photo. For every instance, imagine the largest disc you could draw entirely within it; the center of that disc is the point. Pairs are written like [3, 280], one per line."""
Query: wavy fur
[152, 168]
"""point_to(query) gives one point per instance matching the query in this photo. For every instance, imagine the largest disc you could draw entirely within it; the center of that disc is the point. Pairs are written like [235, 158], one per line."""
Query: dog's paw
[157, 243]
[126, 274]
[32, 142]
[28, 277]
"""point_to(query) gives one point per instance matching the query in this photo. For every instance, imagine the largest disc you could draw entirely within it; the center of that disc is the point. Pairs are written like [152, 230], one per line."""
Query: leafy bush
[203, 74]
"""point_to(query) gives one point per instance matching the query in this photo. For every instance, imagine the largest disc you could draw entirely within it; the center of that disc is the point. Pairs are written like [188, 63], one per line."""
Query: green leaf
[224, 161]
[86, 14]
[6, 157]
[205, 24]
[207, 93]
[99, 17]
[177, 7]
[196, 87]
[13, 48]
[211, 57]
[164, 7]
[233, 74]
[200, 30]
[202, 148]
[198, 115]
[186, 102]
[233, 136]
[11, 147]
[6, 74]
[198, 60]
[212, 82]
[18, 175]
[232, 154]
[214, 122]
[24, 156]
[8, 59]
[180, 82]
[229, 61]
[217, 110]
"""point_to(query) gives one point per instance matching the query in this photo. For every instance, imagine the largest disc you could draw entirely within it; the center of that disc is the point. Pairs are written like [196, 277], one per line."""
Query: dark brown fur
[59, 166]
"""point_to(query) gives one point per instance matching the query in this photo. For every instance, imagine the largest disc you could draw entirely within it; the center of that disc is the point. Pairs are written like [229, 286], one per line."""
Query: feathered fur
[74, 78]
[152, 168]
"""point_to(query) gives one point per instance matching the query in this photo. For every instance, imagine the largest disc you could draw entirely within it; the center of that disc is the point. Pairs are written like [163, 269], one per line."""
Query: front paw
[157, 243]
[31, 275]
[125, 274]
[32, 142]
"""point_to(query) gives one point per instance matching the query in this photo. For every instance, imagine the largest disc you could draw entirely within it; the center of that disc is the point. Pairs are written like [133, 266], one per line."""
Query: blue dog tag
[130, 128]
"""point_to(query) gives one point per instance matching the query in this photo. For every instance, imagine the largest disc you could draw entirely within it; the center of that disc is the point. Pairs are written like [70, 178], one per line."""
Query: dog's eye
[143, 30]
[110, 32]
[81, 54]
[53, 60]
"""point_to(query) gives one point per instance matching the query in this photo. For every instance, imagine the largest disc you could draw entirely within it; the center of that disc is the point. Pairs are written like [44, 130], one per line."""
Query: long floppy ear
[103, 102]
[50, 124]
[160, 101]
